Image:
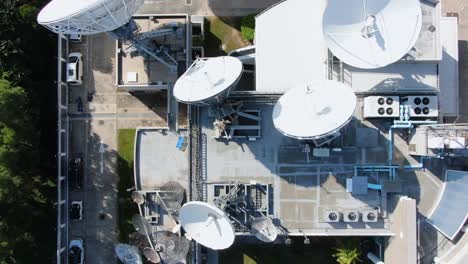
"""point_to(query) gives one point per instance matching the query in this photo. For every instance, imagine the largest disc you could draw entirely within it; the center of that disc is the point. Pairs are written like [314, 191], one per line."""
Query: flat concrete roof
[302, 190]
[290, 49]
[157, 160]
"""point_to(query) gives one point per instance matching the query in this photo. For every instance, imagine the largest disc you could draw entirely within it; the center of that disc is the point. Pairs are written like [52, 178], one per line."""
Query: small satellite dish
[370, 34]
[87, 17]
[264, 229]
[172, 248]
[138, 197]
[151, 255]
[314, 110]
[141, 225]
[128, 254]
[207, 225]
[173, 194]
[208, 81]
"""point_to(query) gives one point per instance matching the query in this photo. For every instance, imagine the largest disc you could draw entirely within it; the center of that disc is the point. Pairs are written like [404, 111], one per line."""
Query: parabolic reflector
[371, 34]
[141, 225]
[151, 255]
[207, 80]
[172, 248]
[138, 197]
[128, 254]
[207, 225]
[264, 229]
[87, 16]
[314, 110]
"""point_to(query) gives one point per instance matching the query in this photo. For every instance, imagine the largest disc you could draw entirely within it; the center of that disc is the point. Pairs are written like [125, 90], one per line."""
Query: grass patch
[126, 140]
[222, 35]
[248, 27]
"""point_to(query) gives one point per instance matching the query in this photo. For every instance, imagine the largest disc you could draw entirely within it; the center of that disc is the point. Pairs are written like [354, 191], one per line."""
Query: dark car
[76, 252]
[76, 210]
[76, 173]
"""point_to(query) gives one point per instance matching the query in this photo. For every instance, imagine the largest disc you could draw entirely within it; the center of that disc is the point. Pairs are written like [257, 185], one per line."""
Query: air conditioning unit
[351, 216]
[370, 216]
[381, 106]
[422, 105]
[332, 216]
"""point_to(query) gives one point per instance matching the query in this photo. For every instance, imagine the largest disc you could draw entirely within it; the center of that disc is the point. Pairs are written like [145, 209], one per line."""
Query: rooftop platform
[303, 186]
[139, 72]
[154, 167]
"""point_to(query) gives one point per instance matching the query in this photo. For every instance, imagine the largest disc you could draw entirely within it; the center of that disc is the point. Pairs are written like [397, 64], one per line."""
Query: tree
[27, 135]
[348, 252]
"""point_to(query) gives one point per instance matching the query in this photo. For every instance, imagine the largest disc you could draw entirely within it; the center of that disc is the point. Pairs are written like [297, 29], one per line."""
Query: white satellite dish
[87, 17]
[138, 197]
[371, 34]
[314, 110]
[128, 254]
[208, 81]
[207, 225]
[264, 229]
[151, 255]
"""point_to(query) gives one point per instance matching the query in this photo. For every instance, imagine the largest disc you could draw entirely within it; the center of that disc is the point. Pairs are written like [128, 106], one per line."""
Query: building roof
[452, 211]
[448, 67]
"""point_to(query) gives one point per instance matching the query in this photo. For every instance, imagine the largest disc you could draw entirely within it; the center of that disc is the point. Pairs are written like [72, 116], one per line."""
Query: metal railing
[62, 151]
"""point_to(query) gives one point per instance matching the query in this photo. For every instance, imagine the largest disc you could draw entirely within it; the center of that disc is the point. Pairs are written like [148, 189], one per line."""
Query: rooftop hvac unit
[332, 216]
[422, 105]
[351, 216]
[381, 106]
[369, 216]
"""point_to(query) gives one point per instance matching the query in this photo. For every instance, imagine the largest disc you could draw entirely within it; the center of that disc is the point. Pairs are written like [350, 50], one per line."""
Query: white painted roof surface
[396, 77]
[207, 225]
[393, 29]
[448, 67]
[314, 109]
[206, 79]
[87, 16]
[290, 49]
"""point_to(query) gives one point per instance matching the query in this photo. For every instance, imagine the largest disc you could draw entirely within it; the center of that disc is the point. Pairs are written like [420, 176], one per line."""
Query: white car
[75, 68]
[76, 210]
[76, 252]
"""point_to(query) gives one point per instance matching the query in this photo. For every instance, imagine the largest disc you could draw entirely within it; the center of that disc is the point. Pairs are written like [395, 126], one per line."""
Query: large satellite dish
[264, 229]
[370, 34]
[128, 254]
[207, 225]
[314, 110]
[172, 248]
[151, 255]
[208, 81]
[87, 17]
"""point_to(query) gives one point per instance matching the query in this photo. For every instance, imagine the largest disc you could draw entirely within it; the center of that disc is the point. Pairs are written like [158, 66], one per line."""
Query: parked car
[75, 68]
[79, 105]
[76, 252]
[76, 38]
[76, 172]
[76, 210]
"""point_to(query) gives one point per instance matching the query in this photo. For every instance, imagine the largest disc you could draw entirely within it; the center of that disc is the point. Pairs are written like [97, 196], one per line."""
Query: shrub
[248, 27]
